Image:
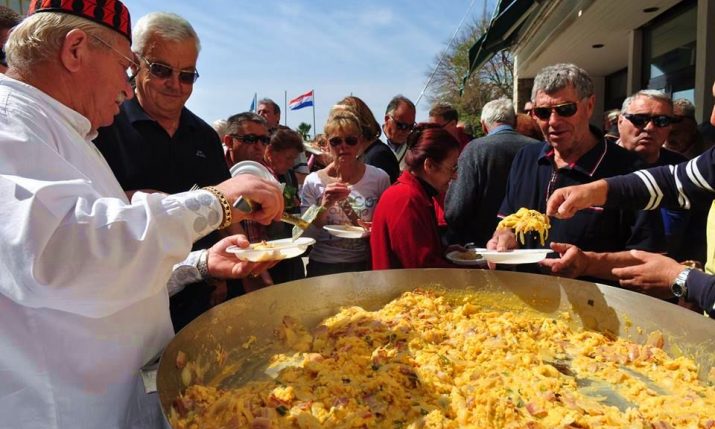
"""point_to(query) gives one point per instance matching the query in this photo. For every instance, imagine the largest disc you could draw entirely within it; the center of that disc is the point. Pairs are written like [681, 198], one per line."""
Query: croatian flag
[303, 100]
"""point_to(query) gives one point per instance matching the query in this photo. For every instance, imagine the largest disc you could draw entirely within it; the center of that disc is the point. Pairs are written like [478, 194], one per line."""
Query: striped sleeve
[670, 186]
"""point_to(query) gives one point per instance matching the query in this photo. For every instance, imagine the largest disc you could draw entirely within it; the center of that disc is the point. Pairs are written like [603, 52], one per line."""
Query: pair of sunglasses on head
[566, 110]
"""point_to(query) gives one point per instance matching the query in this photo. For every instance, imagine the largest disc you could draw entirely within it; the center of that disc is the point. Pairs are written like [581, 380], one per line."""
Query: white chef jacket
[83, 272]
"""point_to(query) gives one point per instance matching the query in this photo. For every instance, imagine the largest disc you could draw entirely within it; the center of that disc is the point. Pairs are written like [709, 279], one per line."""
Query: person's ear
[75, 50]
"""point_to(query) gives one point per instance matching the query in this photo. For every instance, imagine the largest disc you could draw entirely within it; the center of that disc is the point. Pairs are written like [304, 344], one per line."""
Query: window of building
[669, 51]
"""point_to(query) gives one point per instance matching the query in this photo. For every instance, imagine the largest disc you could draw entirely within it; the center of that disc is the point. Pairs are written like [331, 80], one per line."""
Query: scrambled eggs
[429, 360]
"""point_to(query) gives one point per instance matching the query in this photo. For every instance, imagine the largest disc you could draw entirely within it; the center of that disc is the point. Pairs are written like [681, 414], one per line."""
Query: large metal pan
[229, 326]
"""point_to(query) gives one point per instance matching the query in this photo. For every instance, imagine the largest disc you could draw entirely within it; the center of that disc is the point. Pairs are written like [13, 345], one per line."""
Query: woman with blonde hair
[376, 153]
[348, 191]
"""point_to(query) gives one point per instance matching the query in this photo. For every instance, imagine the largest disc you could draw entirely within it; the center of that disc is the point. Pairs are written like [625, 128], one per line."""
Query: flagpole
[285, 106]
[313, 114]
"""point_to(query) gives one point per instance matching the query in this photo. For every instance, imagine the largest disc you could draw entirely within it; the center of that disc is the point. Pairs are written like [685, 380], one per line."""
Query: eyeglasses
[252, 138]
[452, 169]
[337, 141]
[132, 63]
[162, 71]
[401, 125]
[640, 120]
[565, 110]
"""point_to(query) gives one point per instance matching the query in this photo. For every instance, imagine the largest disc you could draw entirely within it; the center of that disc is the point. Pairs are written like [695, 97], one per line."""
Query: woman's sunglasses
[337, 141]
[640, 120]
[162, 71]
[565, 110]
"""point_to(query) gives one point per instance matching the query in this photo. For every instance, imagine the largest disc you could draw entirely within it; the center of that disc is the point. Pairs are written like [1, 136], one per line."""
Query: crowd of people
[118, 200]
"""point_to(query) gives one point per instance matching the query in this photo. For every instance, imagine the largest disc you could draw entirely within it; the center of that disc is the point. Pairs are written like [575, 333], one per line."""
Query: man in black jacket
[474, 197]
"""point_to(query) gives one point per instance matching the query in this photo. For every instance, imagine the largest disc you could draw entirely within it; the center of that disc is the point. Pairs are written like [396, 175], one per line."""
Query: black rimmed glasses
[252, 138]
[130, 69]
[162, 71]
[640, 120]
[565, 110]
[401, 125]
[337, 141]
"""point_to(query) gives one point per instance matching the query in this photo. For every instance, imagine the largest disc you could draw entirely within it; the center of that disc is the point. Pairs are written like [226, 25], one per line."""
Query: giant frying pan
[231, 325]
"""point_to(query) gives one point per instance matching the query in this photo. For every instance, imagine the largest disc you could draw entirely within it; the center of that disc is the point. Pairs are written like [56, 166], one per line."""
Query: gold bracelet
[224, 204]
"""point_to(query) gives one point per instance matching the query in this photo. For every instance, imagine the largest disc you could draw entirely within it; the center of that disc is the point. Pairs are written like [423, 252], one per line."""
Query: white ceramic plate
[272, 250]
[516, 256]
[346, 231]
[469, 257]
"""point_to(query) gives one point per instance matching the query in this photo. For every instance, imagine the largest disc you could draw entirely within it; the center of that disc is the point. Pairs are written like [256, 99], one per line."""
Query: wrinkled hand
[335, 192]
[572, 261]
[224, 265]
[565, 202]
[503, 239]
[365, 224]
[654, 274]
[267, 196]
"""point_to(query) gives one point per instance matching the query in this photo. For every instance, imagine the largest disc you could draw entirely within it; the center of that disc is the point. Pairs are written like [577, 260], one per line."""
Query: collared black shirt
[142, 155]
[534, 177]
[380, 156]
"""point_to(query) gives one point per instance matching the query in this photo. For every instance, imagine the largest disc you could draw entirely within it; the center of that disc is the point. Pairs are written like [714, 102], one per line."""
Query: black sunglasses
[640, 120]
[162, 71]
[566, 110]
[401, 125]
[337, 141]
[252, 138]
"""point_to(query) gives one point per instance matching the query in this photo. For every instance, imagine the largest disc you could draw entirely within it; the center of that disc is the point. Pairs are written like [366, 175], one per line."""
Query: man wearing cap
[156, 143]
[83, 270]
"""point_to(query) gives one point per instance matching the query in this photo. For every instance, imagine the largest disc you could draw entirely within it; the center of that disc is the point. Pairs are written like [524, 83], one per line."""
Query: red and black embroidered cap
[110, 13]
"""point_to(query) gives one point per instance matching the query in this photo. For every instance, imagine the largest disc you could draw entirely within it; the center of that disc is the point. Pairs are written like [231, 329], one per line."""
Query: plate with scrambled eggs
[274, 250]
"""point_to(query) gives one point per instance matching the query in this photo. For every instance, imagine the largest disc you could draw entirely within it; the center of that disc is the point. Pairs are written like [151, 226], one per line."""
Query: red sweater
[404, 228]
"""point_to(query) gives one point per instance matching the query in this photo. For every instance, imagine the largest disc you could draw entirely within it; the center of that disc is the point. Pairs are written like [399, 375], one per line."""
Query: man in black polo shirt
[574, 153]
[156, 143]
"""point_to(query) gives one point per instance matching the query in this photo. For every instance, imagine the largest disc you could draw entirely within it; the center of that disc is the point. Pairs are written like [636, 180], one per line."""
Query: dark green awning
[509, 17]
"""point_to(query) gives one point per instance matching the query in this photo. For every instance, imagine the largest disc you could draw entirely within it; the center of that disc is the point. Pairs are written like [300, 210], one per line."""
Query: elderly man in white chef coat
[84, 271]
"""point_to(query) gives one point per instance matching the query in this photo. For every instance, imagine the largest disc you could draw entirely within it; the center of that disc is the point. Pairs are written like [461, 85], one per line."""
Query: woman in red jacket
[404, 229]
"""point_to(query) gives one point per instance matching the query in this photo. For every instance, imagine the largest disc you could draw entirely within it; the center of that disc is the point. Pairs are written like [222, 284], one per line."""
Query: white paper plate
[516, 256]
[277, 250]
[469, 257]
[253, 168]
[346, 231]
[315, 150]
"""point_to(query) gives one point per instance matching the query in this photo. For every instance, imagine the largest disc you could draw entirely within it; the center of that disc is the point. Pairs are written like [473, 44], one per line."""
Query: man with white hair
[156, 143]
[574, 152]
[473, 199]
[84, 270]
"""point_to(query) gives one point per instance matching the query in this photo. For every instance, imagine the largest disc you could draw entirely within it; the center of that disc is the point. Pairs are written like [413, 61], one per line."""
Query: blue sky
[372, 49]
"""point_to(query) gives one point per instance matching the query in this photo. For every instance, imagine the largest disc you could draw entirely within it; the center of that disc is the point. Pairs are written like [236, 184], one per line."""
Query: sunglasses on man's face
[401, 125]
[252, 138]
[565, 110]
[640, 120]
[162, 71]
[337, 141]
